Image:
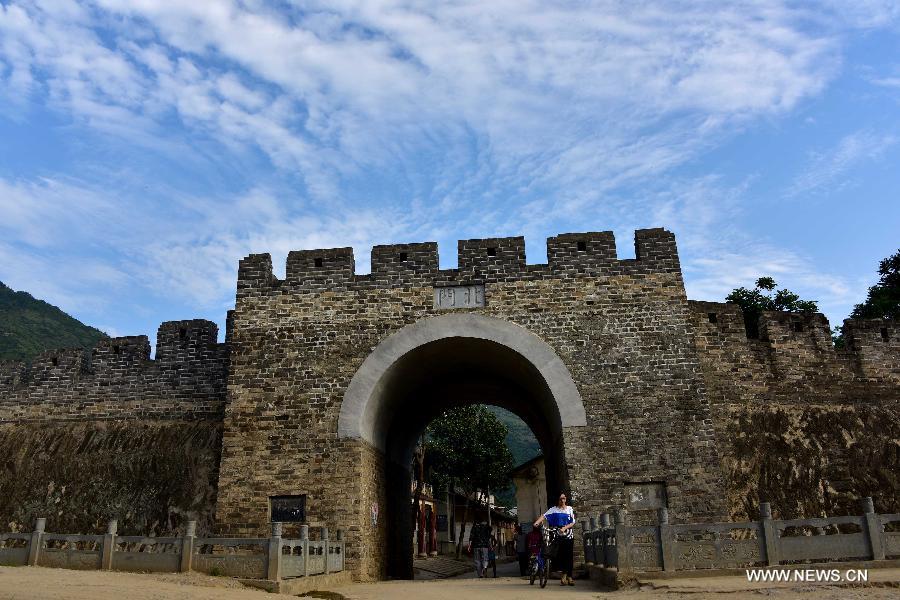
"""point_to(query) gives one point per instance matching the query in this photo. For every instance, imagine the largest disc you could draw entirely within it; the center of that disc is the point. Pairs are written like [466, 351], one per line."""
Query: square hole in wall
[492, 251]
[403, 256]
[317, 262]
[885, 336]
[582, 246]
[797, 326]
[55, 361]
[116, 349]
[182, 333]
[713, 318]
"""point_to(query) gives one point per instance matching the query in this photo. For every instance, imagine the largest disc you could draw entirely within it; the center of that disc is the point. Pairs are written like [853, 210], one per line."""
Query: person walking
[479, 545]
[522, 550]
[562, 517]
[492, 553]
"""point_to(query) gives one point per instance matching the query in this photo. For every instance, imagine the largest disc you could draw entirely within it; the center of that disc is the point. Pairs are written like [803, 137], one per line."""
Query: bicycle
[539, 562]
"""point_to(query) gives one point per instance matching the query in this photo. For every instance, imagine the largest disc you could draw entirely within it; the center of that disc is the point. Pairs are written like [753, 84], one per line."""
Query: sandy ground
[31, 583]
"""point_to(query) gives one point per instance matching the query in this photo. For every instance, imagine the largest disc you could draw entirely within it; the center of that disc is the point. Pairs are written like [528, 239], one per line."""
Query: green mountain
[519, 439]
[29, 326]
[521, 443]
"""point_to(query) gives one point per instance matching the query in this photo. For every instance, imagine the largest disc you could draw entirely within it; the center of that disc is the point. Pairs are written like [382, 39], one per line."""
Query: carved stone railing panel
[645, 548]
[745, 544]
[316, 559]
[14, 549]
[271, 558]
[890, 525]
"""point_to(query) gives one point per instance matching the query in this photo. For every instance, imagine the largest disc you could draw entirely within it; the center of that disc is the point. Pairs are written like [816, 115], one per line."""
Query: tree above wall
[764, 297]
[883, 298]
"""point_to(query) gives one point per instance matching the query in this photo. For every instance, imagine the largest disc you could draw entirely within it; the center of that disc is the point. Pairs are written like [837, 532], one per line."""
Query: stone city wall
[802, 425]
[117, 378]
[86, 435]
[678, 402]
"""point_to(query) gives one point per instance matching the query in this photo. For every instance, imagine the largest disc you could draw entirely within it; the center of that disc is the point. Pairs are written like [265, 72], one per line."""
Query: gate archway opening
[453, 360]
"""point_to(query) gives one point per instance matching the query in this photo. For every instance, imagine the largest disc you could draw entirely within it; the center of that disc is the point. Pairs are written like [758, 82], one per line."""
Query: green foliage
[883, 298]
[467, 445]
[837, 337]
[29, 326]
[754, 302]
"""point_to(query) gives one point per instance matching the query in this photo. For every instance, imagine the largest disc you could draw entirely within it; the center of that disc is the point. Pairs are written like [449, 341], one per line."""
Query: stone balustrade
[767, 542]
[272, 559]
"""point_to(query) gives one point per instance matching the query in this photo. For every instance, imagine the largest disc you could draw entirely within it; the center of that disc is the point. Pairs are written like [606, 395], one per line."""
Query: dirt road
[32, 583]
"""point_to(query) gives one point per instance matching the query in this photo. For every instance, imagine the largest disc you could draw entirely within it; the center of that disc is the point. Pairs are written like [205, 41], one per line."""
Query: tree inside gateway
[465, 449]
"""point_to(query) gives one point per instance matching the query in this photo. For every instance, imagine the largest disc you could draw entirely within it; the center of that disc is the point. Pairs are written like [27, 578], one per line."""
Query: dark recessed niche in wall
[288, 509]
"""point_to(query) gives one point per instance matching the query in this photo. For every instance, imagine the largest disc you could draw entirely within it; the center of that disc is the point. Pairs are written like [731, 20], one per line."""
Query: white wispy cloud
[828, 170]
[320, 86]
[888, 82]
[493, 118]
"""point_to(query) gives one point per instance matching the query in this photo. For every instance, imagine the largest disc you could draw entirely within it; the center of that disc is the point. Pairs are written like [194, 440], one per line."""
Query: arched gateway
[334, 375]
[367, 401]
[450, 360]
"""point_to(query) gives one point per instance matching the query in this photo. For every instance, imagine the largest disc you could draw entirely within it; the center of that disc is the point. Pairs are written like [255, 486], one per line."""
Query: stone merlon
[479, 260]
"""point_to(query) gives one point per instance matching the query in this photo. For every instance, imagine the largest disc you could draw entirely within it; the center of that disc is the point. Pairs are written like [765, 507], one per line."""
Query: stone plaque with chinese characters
[459, 296]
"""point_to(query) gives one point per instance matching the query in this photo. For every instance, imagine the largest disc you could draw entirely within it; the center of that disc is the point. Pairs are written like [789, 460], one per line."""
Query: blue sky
[146, 146]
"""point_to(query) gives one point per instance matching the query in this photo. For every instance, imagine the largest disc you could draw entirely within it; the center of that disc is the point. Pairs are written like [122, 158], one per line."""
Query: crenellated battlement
[478, 260]
[794, 354]
[117, 375]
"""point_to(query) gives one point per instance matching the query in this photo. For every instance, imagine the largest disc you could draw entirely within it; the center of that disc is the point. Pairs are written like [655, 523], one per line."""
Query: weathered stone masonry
[802, 425]
[672, 390]
[85, 437]
[620, 327]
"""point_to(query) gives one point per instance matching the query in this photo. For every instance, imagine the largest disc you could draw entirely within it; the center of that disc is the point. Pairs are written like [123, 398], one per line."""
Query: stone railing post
[187, 546]
[304, 538]
[273, 570]
[873, 527]
[109, 545]
[604, 539]
[327, 543]
[592, 536]
[585, 543]
[34, 546]
[340, 539]
[666, 541]
[623, 542]
[769, 533]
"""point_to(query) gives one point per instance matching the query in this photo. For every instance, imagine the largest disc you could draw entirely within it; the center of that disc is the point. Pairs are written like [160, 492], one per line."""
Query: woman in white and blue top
[562, 517]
